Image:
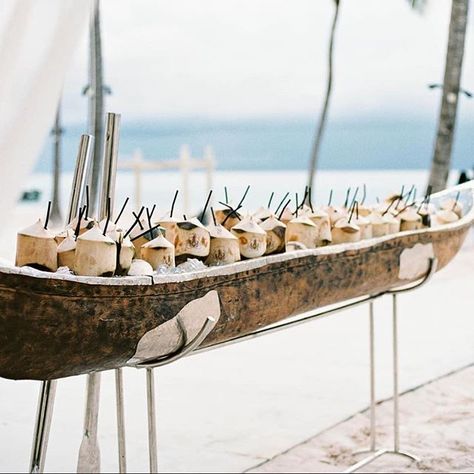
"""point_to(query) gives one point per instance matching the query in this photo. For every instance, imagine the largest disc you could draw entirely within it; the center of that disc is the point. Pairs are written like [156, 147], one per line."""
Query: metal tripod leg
[43, 425]
[151, 409]
[120, 421]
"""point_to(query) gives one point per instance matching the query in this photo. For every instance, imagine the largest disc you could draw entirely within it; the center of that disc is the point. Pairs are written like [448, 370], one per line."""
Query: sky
[231, 59]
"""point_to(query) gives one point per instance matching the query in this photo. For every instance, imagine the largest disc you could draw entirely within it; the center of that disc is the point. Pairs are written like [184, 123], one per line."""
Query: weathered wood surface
[51, 328]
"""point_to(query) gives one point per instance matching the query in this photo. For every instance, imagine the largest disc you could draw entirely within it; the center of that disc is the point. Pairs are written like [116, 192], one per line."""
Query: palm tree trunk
[323, 117]
[56, 132]
[452, 77]
[96, 107]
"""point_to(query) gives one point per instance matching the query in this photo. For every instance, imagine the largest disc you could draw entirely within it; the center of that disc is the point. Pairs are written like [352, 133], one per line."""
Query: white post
[137, 160]
[184, 159]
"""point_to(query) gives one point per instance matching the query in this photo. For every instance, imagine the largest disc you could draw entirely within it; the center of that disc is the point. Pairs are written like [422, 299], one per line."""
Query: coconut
[380, 225]
[85, 225]
[291, 246]
[67, 250]
[228, 221]
[275, 230]
[262, 214]
[36, 247]
[159, 251]
[302, 229]
[410, 220]
[345, 231]
[365, 226]
[193, 239]
[170, 226]
[95, 254]
[446, 216]
[393, 223]
[335, 213]
[224, 246]
[252, 238]
[59, 237]
[125, 250]
[143, 236]
[286, 216]
[453, 205]
[140, 267]
[321, 219]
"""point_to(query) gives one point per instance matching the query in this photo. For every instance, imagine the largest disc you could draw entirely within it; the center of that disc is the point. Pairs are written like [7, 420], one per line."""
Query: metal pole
[43, 425]
[150, 397]
[396, 433]
[56, 132]
[120, 422]
[372, 377]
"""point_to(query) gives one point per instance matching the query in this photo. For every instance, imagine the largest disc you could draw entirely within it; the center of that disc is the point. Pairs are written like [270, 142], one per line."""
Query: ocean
[282, 144]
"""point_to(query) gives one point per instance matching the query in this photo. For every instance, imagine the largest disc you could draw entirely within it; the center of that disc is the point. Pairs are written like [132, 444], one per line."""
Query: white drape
[37, 41]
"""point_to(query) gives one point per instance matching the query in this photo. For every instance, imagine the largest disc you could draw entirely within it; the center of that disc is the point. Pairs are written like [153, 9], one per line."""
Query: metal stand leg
[43, 425]
[120, 421]
[89, 452]
[150, 397]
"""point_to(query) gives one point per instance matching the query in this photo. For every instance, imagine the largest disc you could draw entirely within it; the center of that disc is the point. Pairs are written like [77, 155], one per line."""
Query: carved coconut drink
[410, 220]
[452, 205]
[139, 236]
[86, 223]
[170, 226]
[321, 219]
[193, 239]
[37, 247]
[380, 225]
[345, 231]
[96, 254]
[365, 226]
[262, 214]
[446, 216]
[252, 238]
[67, 251]
[302, 229]
[275, 230]
[125, 250]
[159, 251]
[393, 223]
[335, 213]
[224, 246]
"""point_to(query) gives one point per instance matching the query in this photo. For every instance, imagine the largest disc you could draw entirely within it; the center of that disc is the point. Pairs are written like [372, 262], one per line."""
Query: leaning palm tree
[324, 112]
[451, 87]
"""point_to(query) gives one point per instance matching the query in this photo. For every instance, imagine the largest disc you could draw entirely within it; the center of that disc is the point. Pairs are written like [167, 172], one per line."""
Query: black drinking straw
[213, 216]
[87, 201]
[305, 195]
[173, 203]
[281, 202]
[330, 197]
[233, 212]
[244, 196]
[351, 211]
[363, 195]
[284, 207]
[456, 201]
[355, 195]
[400, 196]
[46, 222]
[121, 210]
[205, 206]
[152, 210]
[148, 216]
[270, 200]
[297, 207]
[310, 199]
[82, 210]
[346, 202]
[226, 195]
[410, 193]
[388, 207]
[184, 217]
[108, 217]
[137, 220]
[146, 231]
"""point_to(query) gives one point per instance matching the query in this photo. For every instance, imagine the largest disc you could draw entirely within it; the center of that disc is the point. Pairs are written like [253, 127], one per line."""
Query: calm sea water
[283, 144]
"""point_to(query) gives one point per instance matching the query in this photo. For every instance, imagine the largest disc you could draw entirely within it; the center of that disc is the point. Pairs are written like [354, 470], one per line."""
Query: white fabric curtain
[37, 41]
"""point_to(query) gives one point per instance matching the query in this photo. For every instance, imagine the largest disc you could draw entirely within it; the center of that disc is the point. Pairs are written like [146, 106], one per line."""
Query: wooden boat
[54, 325]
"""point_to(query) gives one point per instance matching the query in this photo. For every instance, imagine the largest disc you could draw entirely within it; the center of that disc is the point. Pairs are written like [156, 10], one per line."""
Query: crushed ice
[191, 265]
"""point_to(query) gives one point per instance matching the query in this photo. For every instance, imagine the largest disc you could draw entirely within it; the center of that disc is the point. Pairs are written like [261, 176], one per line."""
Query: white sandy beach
[233, 409]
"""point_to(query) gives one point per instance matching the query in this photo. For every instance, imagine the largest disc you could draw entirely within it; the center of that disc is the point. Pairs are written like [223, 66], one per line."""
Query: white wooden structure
[185, 163]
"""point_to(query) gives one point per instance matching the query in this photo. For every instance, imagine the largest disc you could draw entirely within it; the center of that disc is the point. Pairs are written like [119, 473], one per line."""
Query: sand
[437, 426]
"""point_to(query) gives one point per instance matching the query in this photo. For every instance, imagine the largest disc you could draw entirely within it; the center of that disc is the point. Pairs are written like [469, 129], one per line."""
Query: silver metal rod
[372, 377]
[109, 171]
[89, 452]
[120, 421]
[83, 156]
[43, 425]
[396, 426]
[366, 461]
[150, 398]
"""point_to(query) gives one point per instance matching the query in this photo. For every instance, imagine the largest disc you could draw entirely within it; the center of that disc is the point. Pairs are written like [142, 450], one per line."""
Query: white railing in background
[185, 163]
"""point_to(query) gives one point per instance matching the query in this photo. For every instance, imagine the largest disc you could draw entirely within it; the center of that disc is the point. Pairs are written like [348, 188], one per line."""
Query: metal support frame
[374, 453]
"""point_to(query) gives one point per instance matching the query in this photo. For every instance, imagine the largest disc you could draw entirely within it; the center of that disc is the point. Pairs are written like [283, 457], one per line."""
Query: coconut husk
[392, 222]
[139, 268]
[67, 250]
[159, 251]
[143, 239]
[453, 205]
[224, 246]
[302, 229]
[193, 240]
[86, 224]
[321, 219]
[222, 218]
[345, 231]
[125, 250]
[410, 220]
[95, 254]
[37, 248]
[275, 230]
[365, 226]
[262, 214]
[446, 216]
[252, 238]
[286, 216]
[170, 226]
[335, 213]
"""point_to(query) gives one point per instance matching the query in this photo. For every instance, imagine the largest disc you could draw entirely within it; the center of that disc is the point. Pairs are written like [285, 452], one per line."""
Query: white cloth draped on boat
[37, 41]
